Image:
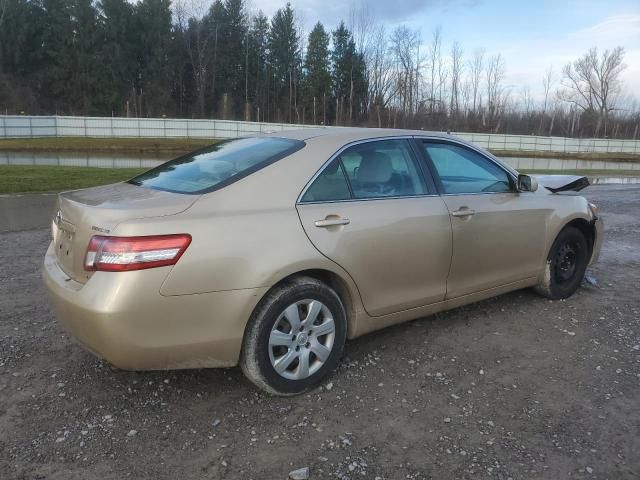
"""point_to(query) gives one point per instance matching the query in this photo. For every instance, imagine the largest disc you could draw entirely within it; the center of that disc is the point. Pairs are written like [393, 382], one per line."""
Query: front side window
[218, 165]
[464, 171]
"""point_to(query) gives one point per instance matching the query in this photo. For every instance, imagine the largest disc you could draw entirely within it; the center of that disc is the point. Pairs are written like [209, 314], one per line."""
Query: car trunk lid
[80, 214]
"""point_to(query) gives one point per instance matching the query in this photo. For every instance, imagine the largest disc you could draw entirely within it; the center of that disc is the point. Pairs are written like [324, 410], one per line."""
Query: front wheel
[566, 265]
[295, 337]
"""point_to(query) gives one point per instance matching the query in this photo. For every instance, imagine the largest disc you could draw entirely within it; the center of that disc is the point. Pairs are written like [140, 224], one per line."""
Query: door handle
[463, 212]
[332, 222]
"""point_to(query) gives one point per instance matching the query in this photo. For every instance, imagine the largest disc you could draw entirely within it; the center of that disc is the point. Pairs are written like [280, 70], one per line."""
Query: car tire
[294, 337]
[566, 265]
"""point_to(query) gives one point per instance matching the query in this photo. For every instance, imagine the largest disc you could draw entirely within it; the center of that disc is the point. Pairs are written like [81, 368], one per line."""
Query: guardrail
[65, 126]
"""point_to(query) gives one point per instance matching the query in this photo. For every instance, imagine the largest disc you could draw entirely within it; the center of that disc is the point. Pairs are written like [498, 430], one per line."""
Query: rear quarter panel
[248, 234]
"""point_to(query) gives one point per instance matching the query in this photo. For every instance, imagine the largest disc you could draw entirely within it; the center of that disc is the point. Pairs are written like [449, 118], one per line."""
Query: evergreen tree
[317, 78]
[234, 47]
[20, 31]
[117, 55]
[284, 53]
[154, 55]
[56, 63]
[349, 76]
[215, 24]
[258, 68]
[196, 45]
[83, 63]
[21, 54]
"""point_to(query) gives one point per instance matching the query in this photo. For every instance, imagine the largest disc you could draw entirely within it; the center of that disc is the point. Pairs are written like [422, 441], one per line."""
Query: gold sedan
[269, 252]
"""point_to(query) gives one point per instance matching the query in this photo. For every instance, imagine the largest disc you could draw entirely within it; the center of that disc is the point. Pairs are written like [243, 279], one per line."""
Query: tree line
[197, 59]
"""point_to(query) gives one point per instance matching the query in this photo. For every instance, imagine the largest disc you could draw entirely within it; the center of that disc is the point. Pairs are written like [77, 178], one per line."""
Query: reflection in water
[525, 163]
[614, 180]
[133, 160]
[86, 159]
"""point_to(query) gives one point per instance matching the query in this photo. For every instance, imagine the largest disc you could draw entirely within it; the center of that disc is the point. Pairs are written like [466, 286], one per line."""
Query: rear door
[498, 232]
[372, 211]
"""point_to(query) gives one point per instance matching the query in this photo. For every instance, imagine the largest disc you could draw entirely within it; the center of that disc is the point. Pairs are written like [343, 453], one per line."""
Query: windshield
[218, 165]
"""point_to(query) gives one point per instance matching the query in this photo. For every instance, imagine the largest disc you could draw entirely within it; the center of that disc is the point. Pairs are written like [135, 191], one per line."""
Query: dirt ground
[514, 387]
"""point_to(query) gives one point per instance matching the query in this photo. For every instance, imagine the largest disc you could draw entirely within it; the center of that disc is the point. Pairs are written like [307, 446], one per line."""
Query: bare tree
[361, 23]
[547, 82]
[593, 82]
[404, 50]
[496, 97]
[379, 72]
[526, 100]
[465, 97]
[476, 66]
[418, 75]
[435, 60]
[366, 35]
[526, 107]
[456, 74]
[443, 74]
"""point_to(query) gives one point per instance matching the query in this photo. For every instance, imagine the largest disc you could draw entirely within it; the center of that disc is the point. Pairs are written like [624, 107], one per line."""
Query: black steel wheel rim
[565, 262]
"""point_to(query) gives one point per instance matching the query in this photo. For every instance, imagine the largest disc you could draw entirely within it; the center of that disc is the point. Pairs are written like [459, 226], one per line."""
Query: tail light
[120, 254]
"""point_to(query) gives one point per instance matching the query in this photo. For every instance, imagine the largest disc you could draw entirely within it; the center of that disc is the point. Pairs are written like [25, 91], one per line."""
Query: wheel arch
[587, 228]
[345, 288]
[556, 224]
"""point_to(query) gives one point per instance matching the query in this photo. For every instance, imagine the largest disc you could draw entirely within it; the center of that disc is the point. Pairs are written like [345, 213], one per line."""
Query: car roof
[347, 135]
[351, 133]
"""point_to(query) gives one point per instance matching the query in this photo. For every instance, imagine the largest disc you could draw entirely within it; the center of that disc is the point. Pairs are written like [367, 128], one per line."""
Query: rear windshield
[218, 165]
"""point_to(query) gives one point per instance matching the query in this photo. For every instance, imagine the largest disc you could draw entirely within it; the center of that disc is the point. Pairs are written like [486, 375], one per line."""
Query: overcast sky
[530, 34]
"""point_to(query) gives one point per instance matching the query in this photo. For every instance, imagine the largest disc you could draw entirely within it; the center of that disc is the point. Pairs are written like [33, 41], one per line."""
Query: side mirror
[527, 183]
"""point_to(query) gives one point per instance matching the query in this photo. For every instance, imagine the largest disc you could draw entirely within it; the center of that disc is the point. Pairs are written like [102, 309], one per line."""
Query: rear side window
[384, 168]
[378, 169]
[218, 165]
[330, 185]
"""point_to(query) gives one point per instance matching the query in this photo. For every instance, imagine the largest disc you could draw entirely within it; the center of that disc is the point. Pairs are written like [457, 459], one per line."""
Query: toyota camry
[269, 252]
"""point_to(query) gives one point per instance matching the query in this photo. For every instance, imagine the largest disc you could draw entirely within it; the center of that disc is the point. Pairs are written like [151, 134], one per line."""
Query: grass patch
[586, 173]
[123, 145]
[45, 178]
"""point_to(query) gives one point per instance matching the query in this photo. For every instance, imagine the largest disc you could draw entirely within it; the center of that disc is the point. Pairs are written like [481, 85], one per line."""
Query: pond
[85, 159]
[527, 163]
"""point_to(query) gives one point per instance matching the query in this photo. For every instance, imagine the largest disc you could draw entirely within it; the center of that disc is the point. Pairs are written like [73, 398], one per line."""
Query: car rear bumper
[123, 318]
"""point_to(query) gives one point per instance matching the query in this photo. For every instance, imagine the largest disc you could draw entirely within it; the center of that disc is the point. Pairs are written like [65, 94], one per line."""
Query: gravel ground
[513, 387]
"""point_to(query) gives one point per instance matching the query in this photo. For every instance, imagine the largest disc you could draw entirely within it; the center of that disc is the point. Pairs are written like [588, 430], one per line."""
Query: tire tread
[249, 358]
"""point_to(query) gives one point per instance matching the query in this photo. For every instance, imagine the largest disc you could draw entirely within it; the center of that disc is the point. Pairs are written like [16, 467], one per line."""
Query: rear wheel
[295, 337]
[566, 265]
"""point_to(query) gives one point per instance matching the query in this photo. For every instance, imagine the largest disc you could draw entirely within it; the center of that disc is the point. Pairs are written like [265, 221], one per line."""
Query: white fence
[58, 126]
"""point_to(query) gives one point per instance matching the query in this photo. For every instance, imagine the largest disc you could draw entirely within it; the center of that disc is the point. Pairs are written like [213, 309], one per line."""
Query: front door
[498, 233]
[371, 212]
